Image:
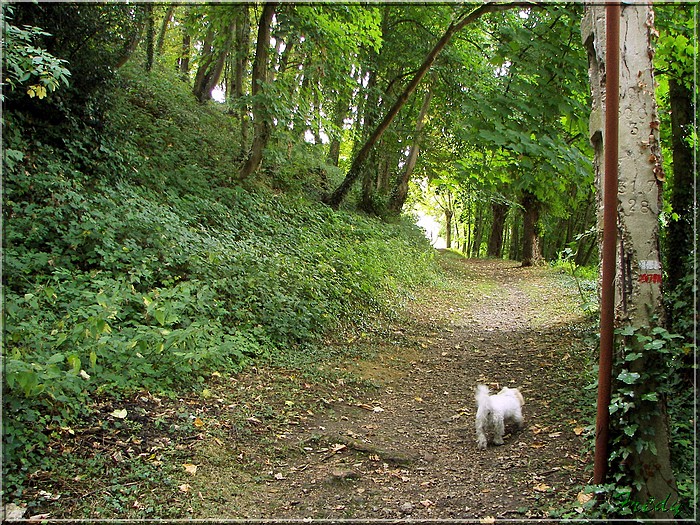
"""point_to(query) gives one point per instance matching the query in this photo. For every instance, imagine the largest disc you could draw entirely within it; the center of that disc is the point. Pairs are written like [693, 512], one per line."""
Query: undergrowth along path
[401, 442]
[378, 425]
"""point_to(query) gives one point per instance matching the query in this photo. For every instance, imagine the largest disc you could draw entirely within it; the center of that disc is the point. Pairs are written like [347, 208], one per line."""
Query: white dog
[494, 411]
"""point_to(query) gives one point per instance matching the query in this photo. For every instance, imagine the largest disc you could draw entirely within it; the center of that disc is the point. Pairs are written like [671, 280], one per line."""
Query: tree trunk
[183, 62]
[478, 231]
[131, 44]
[336, 198]
[211, 63]
[495, 246]
[680, 231]
[262, 126]
[638, 298]
[340, 111]
[398, 196]
[514, 252]
[531, 255]
[150, 36]
[448, 228]
[164, 28]
[241, 65]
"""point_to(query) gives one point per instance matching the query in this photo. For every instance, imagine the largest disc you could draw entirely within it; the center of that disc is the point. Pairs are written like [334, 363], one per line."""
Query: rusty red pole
[607, 300]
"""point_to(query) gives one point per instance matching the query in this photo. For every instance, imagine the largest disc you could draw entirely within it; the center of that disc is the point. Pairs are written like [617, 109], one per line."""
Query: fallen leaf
[579, 430]
[487, 519]
[377, 409]
[279, 476]
[198, 422]
[190, 468]
[583, 498]
[427, 503]
[185, 487]
[541, 487]
[418, 398]
[555, 434]
[119, 414]
[537, 445]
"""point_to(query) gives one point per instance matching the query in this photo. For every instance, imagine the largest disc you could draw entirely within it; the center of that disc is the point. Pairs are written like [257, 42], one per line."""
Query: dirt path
[405, 447]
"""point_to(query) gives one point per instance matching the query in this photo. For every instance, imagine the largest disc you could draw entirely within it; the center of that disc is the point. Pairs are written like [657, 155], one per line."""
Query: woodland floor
[388, 434]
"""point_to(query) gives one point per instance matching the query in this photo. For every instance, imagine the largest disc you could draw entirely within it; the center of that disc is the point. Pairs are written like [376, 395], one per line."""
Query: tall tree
[638, 298]
[219, 39]
[465, 18]
[262, 124]
[675, 59]
[400, 191]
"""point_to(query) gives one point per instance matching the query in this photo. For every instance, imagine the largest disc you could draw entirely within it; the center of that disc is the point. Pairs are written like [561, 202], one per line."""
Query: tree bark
[400, 192]
[241, 65]
[680, 231]
[336, 198]
[211, 63]
[495, 246]
[183, 61]
[448, 228]
[531, 216]
[164, 28]
[638, 297]
[262, 127]
[150, 36]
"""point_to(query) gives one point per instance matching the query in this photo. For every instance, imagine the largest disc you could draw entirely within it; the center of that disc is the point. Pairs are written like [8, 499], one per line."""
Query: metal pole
[607, 302]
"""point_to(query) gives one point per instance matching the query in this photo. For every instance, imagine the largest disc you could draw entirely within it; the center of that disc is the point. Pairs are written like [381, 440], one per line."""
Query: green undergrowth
[133, 263]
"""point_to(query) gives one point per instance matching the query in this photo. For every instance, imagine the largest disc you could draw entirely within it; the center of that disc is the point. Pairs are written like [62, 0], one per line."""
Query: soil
[401, 443]
[385, 431]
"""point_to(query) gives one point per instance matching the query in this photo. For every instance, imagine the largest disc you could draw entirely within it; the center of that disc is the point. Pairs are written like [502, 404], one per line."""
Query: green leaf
[627, 330]
[160, 316]
[628, 378]
[56, 358]
[630, 429]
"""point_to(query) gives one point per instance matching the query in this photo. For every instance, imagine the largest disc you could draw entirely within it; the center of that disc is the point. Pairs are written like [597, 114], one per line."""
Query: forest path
[405, 447]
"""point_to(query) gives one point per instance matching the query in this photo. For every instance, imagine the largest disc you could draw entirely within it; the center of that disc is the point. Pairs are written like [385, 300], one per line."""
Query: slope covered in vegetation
[132, 262]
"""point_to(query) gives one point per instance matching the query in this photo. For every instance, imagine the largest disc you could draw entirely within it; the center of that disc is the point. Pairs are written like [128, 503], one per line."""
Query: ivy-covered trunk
[639, 438]
[262, 125]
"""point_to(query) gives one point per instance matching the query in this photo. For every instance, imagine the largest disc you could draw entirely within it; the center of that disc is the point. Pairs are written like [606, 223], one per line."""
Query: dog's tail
[482, 396]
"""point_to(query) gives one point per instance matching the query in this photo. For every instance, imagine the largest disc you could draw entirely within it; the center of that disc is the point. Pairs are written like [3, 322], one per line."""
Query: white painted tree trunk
[638, 293]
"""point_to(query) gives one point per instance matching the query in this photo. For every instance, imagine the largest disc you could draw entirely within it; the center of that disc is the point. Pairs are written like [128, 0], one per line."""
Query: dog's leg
[498, 428]
[518, 418]
[480, 434]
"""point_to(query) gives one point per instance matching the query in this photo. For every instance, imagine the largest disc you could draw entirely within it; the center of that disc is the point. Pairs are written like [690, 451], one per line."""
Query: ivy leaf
[627, 330]
[631, 429]
[628, 378]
